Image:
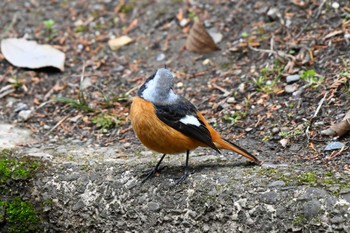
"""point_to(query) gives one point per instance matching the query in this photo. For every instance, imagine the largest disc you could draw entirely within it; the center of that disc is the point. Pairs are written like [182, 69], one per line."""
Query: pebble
[284, 129]
[275, 130]
[24, 115]
[292, 78]
[248, 129]
[334, 146]
[277, 183]
[231, 100]
[298, 92]
[328, 132]
[80, 204]
[205, 227]
[241, 88]
[273, 13]
[153, 206]
[289, 88]
[217, 36]
[160, 57]
[20, 106]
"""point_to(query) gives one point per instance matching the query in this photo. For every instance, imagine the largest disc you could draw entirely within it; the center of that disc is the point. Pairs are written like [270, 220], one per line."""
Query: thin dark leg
[186, 171]
[156, 169]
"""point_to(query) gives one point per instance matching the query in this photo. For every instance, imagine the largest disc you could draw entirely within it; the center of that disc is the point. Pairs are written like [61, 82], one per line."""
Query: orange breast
[155, 134]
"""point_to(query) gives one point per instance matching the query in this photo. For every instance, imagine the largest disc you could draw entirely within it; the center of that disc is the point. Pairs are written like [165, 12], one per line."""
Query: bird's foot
[152, 173]
[183, 177]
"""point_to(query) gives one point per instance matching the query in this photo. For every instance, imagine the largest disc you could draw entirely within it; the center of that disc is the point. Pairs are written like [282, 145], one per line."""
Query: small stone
[20, 106]
[337, 219]
[231, 100]
[80, 204]
[284, 142]
[335, 5]
[184, 22]
[312, 208]
[248, 129]
[217, 36]
[241, 88]
[186, 224]
[273, 13]
[127, 145]
[179, 85]
[344, 190]
[205, 227]
[284, 129]
[328, 132]
[160, 57]
[334, 146]
[24, 115]
[46, 127]
[277, 183]
[292, 78]
[146, 153]
[289, 88]
[153, 206]
[275, 130]
[298, 93]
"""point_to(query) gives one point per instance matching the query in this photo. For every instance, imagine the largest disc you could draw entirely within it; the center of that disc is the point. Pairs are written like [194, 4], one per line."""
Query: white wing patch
[190, 120]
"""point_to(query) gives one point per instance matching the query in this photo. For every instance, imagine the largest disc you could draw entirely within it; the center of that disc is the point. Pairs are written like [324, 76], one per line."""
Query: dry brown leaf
[341, 128]
[119, 42]
[199, 40]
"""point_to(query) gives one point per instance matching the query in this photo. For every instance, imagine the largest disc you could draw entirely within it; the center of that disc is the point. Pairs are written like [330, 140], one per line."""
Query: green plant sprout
[312, 78]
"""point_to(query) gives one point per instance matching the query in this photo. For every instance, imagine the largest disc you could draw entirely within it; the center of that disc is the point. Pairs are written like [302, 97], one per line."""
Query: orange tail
[224, 144]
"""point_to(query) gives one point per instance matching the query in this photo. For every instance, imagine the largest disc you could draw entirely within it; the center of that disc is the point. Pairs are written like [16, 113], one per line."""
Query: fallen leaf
[199, 40]
[29, 54]
[341, 128]
[119, 42]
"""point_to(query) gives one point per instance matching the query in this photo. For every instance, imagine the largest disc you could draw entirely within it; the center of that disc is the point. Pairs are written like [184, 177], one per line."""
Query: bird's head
[158, 88]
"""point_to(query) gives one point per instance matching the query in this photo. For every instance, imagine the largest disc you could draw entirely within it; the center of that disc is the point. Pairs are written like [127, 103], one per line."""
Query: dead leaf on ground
[341, 128]
[119, 42]
[29, 54]
[199, 40]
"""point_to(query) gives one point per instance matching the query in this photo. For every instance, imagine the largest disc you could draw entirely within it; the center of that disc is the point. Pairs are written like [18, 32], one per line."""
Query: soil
[241, 89]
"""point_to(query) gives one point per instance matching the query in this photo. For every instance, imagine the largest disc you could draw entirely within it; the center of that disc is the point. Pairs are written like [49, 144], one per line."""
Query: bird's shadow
[173, 171]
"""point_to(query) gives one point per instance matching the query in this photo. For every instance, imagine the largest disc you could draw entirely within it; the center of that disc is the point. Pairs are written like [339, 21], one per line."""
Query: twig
[7, 29]
[320, 9]
[270, 51]
[335, 153]
[132, 89]
[58, 124]
[307, 132]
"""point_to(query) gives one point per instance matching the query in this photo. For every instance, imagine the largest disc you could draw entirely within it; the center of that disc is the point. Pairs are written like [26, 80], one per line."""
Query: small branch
[8, 28]
[58, 124]
[307, 131]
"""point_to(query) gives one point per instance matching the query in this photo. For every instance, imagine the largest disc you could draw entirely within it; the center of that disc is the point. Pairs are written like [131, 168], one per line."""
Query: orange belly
[155, 134]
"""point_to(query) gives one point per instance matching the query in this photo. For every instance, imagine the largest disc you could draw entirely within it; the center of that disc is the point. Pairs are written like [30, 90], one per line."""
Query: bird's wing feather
[174, 115]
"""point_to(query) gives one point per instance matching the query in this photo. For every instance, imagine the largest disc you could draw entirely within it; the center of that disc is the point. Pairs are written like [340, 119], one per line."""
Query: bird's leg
[152, 172]
[186, 171]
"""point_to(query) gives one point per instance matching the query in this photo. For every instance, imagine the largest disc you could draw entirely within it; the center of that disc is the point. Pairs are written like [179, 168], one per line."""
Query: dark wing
[172, 114]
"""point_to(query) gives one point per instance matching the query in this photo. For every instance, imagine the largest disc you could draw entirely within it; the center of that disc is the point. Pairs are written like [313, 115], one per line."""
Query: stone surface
[12, 135]
[222, 195]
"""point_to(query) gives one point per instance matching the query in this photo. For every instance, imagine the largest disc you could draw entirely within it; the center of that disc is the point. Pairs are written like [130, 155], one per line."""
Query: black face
[143, 87]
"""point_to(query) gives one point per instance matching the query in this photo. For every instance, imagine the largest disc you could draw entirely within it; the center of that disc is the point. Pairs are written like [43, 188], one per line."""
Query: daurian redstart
[167, 123]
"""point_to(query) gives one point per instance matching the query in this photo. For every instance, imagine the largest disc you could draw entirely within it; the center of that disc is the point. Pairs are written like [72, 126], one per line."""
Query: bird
[168, 123]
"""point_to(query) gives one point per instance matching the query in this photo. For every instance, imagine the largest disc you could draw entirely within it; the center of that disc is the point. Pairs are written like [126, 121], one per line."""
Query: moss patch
[16, 214]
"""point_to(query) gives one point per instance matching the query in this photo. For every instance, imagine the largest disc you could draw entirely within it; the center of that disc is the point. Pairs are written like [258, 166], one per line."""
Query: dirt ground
[240, 89]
